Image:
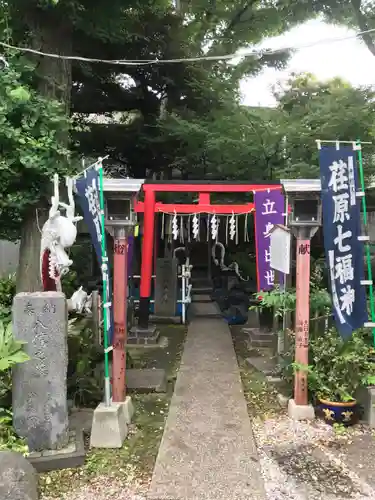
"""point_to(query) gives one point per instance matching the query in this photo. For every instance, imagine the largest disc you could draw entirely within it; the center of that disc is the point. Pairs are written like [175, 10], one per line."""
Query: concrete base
[71, 456]
[300, 412]
[128, 409]
[366, 398]
[142, 332]
[146, 380]
[166, 320]
[109, 426]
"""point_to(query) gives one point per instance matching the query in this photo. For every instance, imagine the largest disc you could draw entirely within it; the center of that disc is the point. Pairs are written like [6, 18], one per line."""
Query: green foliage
[320, 301]
[84, 354]
[8, 439]
[356, 14]
[70, 283]
[337, 368]
[11, 350]
[32, 149]
[227, 143]
[313, 109]
[11, 353]
[7, 292]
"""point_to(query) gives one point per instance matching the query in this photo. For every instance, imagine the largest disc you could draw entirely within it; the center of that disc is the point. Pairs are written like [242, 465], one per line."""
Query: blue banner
[341, 229]
[88, 188]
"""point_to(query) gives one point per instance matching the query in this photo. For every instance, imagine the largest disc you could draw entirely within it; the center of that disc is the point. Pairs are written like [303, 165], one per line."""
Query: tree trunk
[28, 275]
[50, 32]
[363, 25]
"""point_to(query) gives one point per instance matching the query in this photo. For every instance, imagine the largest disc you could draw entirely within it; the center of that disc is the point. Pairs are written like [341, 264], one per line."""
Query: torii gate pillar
[147, 258]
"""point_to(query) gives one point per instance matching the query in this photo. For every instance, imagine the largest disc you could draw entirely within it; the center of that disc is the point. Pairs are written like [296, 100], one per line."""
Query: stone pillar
[166, 287]
[40, 412]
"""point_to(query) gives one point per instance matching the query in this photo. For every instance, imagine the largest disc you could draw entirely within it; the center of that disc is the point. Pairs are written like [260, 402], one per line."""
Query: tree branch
[362, 24]
[237, 18]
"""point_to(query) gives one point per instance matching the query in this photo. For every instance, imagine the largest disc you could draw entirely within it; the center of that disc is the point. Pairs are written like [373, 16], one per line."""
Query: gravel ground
[300, 461]
[106, 488]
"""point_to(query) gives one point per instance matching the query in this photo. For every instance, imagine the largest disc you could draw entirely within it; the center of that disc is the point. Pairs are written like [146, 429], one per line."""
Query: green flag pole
[367, 243]
[106, 311]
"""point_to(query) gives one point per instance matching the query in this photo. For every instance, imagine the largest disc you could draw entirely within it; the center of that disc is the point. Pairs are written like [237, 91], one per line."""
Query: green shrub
[11, 353]
[7, 293]
[7, 290]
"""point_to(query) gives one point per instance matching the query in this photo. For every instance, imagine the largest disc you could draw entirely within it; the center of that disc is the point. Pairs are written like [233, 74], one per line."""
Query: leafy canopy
[31, 150]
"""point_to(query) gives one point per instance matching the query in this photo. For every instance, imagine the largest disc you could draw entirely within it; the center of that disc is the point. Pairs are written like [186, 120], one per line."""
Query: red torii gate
[150, 207]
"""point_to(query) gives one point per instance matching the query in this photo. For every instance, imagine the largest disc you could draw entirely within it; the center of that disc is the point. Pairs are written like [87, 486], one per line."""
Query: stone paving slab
[146, 380]
[205, 309]
[208, 450]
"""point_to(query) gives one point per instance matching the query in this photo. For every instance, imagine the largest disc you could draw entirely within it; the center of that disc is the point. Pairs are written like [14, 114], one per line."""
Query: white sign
[280, 238]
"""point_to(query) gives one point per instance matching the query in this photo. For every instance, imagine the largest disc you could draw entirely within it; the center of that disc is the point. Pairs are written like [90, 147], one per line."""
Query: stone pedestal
[300, 412]
[143, 336]
[166, 287]
[366, 398]
[40, 411]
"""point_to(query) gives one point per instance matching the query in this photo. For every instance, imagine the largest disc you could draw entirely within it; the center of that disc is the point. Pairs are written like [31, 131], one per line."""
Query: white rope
[133, 62]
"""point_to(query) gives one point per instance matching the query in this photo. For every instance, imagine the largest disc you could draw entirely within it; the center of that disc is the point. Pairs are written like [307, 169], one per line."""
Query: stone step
[261, 343]
[146, 380]
[202, 298]
[266, 365]
[256, 333]
[201, 291]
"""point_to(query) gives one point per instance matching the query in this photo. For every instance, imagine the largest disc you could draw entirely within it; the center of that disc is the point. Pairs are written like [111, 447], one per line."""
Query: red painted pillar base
[302, 320]
[120, 296]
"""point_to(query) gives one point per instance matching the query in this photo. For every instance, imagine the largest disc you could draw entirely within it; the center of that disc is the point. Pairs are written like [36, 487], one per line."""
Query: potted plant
[337, 369]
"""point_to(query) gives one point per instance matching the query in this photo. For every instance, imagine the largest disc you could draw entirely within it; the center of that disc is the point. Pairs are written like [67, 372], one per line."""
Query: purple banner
[269, 210]
[130, 255]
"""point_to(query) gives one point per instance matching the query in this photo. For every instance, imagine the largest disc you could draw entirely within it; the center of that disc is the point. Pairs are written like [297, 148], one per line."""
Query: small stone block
[366, 398]
[146, 380]
[143, 332]
[152, 340]
[70, 448]
[265, 365]
[166, 320]
[128, 409]
[282, 400]
[73, 455]
[109, 428]
[300, 412]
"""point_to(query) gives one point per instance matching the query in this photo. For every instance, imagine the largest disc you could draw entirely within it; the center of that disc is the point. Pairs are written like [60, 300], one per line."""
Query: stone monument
[40, 411]
[166, 287]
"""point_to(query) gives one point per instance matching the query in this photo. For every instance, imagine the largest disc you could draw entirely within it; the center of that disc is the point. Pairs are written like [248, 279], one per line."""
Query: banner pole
[367, 243]
[106, 312]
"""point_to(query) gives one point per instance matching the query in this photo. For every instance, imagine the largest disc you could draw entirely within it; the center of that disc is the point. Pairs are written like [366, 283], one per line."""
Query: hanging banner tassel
[246, 231]
[188, 229]
[169, 226]
[182, 229]
[214, 227]
[195, 228]
[162, 226]
[175, 227]
[232, 227]
[226, 230]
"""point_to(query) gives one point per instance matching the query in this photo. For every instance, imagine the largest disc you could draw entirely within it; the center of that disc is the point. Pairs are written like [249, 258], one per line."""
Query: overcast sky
[349, 59]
